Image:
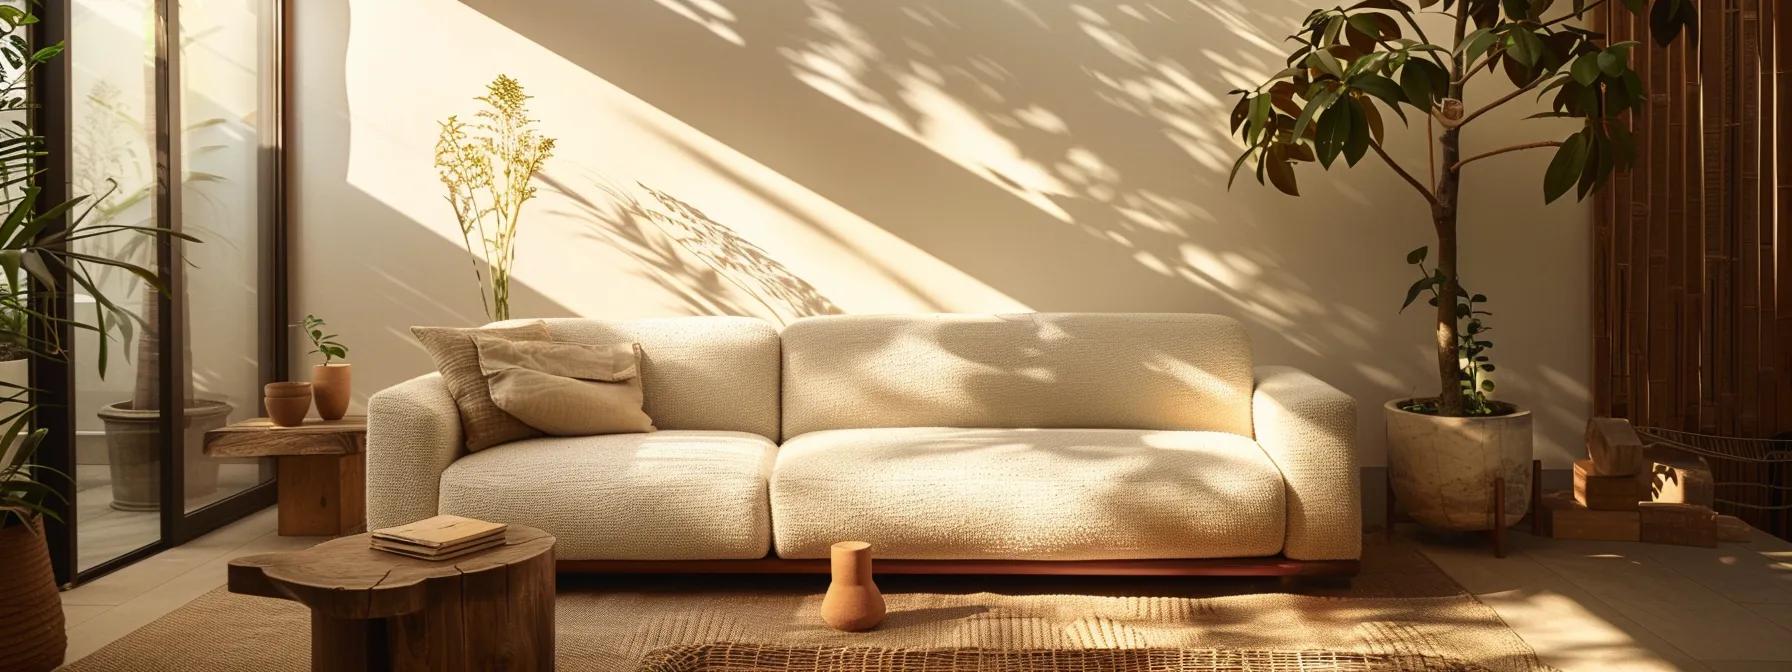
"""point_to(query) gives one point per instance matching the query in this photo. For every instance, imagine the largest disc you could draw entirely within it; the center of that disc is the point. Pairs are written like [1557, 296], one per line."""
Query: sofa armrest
[1308, 428]
[413, 434]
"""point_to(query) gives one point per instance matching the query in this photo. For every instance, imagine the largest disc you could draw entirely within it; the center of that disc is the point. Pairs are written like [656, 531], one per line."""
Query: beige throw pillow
[482, 422]
[566, 389]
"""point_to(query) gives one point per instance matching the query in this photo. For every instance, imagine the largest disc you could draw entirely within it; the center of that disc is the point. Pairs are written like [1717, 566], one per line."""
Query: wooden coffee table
[373, 610]
[322, 469]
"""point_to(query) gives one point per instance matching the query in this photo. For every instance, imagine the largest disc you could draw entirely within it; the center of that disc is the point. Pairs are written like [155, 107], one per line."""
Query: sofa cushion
[711, 373]
[566, 389]
[482, 422]
[669, 495]
[1064, 370]
[1027, 494]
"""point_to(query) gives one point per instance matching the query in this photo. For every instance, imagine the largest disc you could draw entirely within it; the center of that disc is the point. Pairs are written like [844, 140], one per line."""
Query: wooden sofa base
[1269, 566]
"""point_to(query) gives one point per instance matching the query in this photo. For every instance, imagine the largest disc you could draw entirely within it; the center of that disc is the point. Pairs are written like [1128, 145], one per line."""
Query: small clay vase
[330, 384]
[287, 402]
[852, 603]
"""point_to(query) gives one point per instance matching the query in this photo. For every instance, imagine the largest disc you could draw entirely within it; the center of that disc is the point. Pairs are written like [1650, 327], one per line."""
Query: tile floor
[1581, 605]
[104, 533]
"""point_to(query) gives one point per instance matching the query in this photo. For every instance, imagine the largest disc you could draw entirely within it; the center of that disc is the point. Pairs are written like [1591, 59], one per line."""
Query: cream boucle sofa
[1033, 437]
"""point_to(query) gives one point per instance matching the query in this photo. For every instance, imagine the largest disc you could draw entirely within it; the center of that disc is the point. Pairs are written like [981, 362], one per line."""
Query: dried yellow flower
[486, 167]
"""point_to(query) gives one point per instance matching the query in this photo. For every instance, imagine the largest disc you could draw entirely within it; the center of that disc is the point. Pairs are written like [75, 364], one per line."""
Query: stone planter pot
[1442, 469]
[31, 626]
[134, 447]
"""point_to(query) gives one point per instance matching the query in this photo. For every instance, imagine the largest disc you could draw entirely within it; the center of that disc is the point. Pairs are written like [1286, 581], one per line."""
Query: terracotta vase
[31, 626]
[1443, 469]
[287, 402]
[330, 384]
[852, 603]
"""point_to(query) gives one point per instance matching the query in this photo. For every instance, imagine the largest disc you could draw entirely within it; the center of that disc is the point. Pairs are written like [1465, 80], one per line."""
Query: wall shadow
[1091, 144]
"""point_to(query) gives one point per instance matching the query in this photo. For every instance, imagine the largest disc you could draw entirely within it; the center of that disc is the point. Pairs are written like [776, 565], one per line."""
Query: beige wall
[783, 159]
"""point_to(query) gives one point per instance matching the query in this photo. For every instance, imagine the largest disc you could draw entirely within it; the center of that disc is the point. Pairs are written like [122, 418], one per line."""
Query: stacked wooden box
[1624, 491]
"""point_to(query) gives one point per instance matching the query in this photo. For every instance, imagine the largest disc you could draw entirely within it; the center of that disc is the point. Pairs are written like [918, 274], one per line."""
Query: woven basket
[738, 657]
[31, 629]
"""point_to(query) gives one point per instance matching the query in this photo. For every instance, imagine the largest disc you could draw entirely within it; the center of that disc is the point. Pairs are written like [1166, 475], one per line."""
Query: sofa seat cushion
[668, 495]
[1027, 494]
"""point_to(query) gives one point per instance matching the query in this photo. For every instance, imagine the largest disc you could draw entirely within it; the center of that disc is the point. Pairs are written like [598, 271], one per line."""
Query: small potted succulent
[330, 380]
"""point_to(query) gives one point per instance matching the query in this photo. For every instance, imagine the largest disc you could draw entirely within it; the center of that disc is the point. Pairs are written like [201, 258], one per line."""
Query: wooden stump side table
[373, 610]
[322, 469]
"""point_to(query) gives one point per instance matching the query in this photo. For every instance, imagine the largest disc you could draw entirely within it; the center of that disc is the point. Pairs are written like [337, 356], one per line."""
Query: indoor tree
[1351, 63]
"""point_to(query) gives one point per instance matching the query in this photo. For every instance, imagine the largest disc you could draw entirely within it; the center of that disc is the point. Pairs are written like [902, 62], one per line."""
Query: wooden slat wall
[1692, 261]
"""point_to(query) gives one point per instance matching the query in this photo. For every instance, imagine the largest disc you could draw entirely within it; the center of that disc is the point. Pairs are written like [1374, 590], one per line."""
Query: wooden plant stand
[322, 470]
[1497, 535]
[373, 610]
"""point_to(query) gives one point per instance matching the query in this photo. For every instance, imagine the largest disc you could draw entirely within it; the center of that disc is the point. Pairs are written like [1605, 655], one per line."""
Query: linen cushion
[711, 373]
[1027, 494]
[1126, 371]
[669, 495]
[483, 424]
[565, 389]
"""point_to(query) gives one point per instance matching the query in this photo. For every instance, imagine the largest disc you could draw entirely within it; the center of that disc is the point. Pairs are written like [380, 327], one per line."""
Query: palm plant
[1353, 62]
[38, 261]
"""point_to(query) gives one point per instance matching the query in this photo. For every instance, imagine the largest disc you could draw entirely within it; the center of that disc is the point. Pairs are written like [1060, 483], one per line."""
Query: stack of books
[439, 538]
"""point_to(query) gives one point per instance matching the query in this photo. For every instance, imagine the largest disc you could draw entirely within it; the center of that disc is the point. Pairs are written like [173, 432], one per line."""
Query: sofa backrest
[709, 373]
[1168, 371]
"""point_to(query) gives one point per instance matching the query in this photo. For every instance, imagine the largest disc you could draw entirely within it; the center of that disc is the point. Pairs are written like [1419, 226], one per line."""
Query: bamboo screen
[1692, 263]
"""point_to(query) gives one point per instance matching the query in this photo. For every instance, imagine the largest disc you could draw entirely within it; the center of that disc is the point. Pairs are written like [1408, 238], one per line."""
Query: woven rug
[732, 657]
[1401, 608]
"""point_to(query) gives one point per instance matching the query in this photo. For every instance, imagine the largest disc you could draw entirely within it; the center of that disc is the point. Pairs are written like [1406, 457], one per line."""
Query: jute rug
[1400, 606]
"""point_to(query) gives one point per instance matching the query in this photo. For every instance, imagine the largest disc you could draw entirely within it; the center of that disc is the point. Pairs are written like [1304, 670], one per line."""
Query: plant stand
[1497, 535]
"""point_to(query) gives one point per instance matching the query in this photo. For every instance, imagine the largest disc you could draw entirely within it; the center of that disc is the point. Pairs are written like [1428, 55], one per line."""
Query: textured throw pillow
[566, 389]
[482, 422]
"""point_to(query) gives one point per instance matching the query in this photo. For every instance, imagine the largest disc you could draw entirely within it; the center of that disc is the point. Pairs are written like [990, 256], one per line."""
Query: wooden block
[1678, 524]
[1731, 528]
[1606, 493]
[1674, 477]
[1614, 447]
[322, 495]
[1565, 518]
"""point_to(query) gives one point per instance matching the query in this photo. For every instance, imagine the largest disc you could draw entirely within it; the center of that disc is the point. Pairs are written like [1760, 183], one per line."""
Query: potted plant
[329, 381]
[1352, 66]
[31, 626]
[33, 266]
[133, 426]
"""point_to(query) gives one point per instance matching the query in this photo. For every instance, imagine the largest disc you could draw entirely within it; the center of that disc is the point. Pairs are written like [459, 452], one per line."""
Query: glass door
[173, 113]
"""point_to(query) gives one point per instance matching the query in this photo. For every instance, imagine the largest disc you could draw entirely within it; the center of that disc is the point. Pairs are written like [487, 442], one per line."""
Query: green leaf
[1333, 132]
[1417, 256]
[1565, 169]
[1356, 141]
[1380, 87]
[1319, 102]
[1586, 69]
[1611, 63]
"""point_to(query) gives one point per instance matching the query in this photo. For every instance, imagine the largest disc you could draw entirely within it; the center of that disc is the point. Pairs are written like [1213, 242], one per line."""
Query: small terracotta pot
[287, 402]
[852, 603]
[330, 385]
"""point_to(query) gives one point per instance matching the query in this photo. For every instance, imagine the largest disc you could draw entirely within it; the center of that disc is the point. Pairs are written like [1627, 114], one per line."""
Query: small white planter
[1442, 469]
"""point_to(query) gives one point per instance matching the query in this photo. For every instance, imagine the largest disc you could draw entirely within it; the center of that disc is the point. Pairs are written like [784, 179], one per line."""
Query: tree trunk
[1449, 397]
[147, 394]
